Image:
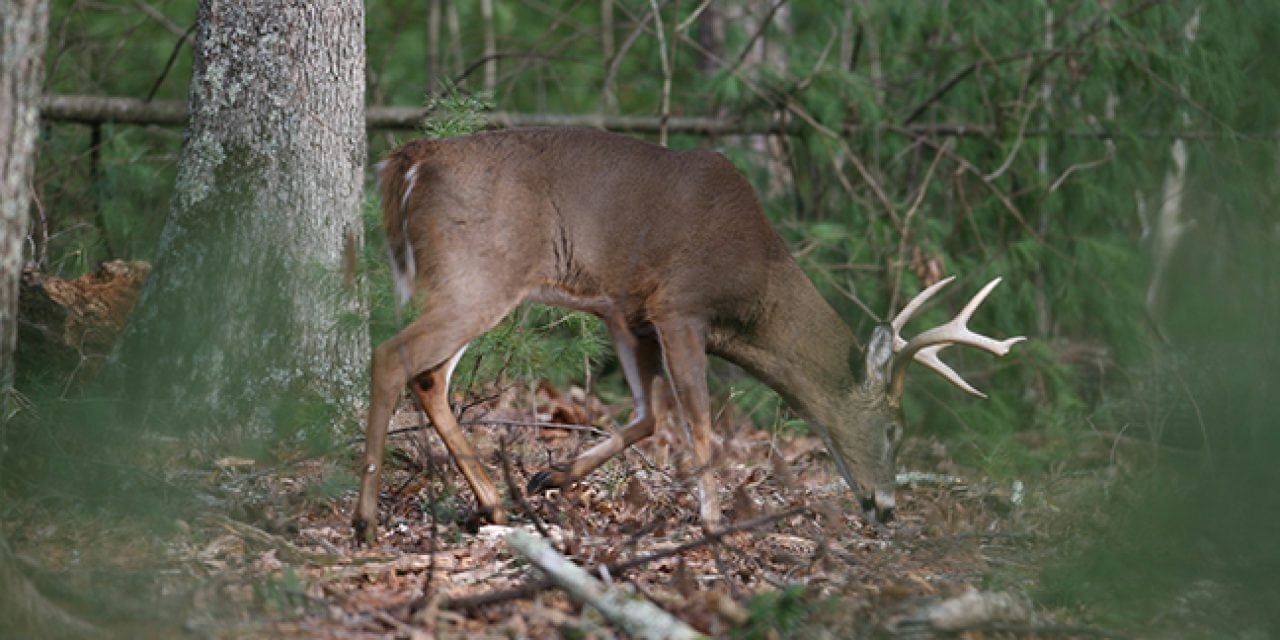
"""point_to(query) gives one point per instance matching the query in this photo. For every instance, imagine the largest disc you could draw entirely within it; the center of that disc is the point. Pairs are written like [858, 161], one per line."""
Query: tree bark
[254, 297]
[435, 75]
[490, 47]
[1172, 222]
[23, 30]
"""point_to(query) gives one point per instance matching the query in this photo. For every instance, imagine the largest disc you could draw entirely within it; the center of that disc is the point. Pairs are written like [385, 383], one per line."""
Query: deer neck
[798, 345]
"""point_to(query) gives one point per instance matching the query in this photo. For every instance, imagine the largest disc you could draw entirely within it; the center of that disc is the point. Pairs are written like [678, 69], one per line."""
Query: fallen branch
[636, 616]
[964, 612]
[285, 550]
[536, 425]
[532, 587]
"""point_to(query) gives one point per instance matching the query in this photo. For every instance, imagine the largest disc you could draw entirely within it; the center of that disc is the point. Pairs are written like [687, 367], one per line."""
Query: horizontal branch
[103, 109]
[173, 113]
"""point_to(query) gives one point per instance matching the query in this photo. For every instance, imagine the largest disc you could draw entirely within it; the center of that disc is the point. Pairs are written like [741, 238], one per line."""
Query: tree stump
[67, 328]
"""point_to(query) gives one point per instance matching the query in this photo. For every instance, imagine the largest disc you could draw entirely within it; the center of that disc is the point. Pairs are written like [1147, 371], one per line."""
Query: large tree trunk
[254, 294]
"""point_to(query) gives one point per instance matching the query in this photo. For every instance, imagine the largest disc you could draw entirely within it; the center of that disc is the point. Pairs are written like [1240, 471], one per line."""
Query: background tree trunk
[23, 30]
[254, 295]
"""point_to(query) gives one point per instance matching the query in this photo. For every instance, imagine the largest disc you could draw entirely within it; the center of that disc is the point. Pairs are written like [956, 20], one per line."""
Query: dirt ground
[281, 562]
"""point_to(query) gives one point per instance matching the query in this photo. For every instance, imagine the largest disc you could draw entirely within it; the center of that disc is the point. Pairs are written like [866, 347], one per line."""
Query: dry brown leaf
[744, 508]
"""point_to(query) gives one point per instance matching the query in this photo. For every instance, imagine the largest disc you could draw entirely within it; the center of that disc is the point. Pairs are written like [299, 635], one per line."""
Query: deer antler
[924, 347]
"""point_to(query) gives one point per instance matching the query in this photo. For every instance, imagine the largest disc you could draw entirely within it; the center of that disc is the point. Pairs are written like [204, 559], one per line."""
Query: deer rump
[579, 217]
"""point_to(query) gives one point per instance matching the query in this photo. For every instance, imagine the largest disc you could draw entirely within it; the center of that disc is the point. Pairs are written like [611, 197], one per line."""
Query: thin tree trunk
[608, 49]
[253, 298]
[490, 47]
[455, 37]
[755, 18]
[1044, 312]
[1171, 222]
[23, 31]
[434, 69]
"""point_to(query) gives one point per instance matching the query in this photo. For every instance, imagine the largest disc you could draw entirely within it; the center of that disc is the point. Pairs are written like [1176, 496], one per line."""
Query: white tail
[672, 251]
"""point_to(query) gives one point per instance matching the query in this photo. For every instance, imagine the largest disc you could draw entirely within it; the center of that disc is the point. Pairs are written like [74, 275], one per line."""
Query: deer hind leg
[426, 345]
[641, 361]
[684, 351]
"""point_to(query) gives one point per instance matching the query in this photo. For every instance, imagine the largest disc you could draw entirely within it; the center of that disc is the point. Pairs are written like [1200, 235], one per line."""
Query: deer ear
[879, 356]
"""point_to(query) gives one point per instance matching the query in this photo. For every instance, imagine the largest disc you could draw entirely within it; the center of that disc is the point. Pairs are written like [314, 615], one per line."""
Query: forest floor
[797, 560]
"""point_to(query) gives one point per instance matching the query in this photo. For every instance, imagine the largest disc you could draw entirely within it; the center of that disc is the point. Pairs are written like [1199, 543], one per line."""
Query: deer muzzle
[880, 508]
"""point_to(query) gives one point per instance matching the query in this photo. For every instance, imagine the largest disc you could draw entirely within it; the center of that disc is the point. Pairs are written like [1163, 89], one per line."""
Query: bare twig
[161, 19]
[666, 57]
[1080, 166]
[183, 39]
[755, 37]
[971, 68]
[1017, 142]
[534, 424]
[905, 236]
[516, 494]
[970, 168]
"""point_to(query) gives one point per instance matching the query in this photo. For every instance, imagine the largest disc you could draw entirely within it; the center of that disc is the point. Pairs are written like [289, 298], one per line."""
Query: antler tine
[928, 356]
[899, 321]
[924, 347]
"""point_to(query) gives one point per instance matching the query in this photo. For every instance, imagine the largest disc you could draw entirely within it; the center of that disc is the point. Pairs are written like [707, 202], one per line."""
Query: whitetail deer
[673, 252]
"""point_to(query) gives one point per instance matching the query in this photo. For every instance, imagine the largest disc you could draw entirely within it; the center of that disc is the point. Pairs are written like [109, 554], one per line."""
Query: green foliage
[1179, 546]
[536, 342]
[455, 113]
[784, 613]
[1191, 545]
[336, 481]
[284, 591]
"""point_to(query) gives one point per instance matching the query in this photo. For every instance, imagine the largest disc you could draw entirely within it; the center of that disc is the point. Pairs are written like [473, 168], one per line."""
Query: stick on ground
[637, 617]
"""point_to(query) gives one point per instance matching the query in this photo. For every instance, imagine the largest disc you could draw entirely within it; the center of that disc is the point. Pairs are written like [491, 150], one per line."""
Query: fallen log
[66, 328]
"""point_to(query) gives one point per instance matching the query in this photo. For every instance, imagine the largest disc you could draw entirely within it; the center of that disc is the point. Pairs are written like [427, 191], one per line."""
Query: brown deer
[673, 252]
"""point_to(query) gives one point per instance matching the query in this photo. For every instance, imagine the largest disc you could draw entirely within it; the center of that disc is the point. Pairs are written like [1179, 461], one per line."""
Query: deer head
[865, 436]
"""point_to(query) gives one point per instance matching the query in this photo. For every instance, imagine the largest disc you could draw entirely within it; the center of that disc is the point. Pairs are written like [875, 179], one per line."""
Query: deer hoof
[482, 516]
[545, 480]
[364, 534]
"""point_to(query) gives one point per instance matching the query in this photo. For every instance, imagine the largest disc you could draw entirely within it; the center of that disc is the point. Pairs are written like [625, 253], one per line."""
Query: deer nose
[885, 505]
[878, 508]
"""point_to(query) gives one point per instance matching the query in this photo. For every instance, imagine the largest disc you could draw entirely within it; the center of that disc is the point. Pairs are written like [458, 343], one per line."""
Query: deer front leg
[641, 360]
[684, 350]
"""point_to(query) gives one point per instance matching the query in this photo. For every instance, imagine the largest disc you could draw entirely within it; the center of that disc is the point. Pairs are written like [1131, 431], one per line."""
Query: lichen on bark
[247, 306]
